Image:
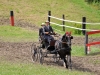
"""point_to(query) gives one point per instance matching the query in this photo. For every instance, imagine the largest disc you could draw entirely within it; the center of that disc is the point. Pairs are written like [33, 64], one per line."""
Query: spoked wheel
[56, 58]
[41, 56]
[69, 62]
[34, 51]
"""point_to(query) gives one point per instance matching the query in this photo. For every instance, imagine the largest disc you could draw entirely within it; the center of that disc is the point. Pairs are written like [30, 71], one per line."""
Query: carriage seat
[51, 46]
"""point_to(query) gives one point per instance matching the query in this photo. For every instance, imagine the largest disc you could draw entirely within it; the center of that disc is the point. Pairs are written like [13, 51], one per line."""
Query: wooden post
[12, 18]
[49, 14]
[63, 22]
[86, 42]
[84, 25]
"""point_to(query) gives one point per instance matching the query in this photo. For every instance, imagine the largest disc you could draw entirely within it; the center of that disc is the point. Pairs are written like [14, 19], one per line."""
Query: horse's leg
[65, 61]
[69, 61]
[55, 57]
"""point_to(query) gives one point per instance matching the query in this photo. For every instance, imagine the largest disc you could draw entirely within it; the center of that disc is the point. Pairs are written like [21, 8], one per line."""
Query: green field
[36, 12]
[17, 34]
[8, 68]
[80, 50]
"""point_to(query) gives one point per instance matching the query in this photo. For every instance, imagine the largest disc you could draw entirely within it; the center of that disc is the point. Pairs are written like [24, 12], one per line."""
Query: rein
[64, 42]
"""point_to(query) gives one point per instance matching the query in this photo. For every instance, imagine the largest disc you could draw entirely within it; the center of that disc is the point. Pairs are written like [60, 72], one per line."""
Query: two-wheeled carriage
[42, 49]
[56, 47]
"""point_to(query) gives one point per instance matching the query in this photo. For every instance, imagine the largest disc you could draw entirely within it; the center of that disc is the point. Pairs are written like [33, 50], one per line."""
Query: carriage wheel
[34, 51]
[41, 56]
[69, 62]
[56, 58]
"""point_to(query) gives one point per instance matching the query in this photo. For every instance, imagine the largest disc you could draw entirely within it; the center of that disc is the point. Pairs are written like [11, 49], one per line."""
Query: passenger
[41, 32]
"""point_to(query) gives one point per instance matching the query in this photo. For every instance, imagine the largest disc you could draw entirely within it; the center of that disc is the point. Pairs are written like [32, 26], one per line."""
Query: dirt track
[21, 52]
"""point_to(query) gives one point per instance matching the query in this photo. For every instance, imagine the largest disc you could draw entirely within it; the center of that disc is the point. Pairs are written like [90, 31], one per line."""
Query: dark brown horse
[63, 47]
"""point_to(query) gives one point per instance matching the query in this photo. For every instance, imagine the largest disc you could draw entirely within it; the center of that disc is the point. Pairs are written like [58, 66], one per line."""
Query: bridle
[67, 40]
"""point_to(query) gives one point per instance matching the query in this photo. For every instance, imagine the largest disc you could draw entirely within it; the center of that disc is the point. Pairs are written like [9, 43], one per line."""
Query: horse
[63, 47]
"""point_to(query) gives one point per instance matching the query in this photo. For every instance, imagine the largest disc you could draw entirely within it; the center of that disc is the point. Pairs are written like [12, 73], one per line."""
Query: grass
[8, 68]
[17, 34]
[94, 50]
[35, 11]
[73, 10]
[80, 50]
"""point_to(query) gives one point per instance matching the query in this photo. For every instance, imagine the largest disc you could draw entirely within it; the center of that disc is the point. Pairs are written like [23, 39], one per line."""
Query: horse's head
[67, 38]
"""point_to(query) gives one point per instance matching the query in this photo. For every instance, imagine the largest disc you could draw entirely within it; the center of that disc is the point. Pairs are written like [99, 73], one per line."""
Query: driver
[47, 31]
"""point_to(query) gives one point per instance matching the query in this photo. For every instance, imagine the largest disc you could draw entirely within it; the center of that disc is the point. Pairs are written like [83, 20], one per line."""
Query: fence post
[49, 14]
[63, 22]
[86, 42]
[12, 18]
[83, 25]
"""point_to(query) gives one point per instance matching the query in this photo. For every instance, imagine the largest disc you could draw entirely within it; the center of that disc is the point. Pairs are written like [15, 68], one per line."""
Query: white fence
[70, 21]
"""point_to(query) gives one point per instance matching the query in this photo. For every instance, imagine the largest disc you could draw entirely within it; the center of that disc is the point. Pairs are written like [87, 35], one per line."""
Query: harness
[59, 43]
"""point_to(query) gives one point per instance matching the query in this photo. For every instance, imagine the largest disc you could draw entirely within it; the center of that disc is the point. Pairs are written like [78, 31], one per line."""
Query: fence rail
[72, 27]
[84, 23]
[85, 31]
[73, 21]
[87, 45]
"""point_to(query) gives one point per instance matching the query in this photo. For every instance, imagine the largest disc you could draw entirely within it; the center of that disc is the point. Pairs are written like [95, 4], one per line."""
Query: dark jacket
[48, 30]
[41, 32]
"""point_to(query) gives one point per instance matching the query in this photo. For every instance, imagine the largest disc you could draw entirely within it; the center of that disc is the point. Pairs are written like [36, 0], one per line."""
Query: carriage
[41, 50]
